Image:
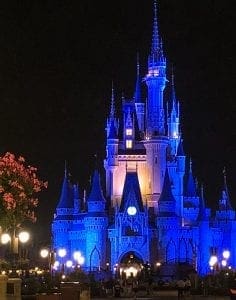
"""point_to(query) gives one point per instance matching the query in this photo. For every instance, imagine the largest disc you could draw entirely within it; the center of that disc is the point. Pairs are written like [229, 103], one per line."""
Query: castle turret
[139, 105]
[111, 161]
[191, 199]
[173, 120]
[225, 210]
[156, 82]
[203, 254]
[63, 218]
[95, 223]
[156, 141]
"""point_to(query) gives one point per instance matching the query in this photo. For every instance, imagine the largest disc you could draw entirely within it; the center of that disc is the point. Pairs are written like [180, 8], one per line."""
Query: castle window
[129, 144]
[129, 131]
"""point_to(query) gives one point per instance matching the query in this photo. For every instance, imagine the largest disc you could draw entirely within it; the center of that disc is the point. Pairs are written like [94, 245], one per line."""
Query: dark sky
[57, 61]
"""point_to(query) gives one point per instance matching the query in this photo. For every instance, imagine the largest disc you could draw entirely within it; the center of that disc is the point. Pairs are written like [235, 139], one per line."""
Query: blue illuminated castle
[152, 210]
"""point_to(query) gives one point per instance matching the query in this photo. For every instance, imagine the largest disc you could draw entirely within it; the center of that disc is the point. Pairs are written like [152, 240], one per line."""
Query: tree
[19, 185]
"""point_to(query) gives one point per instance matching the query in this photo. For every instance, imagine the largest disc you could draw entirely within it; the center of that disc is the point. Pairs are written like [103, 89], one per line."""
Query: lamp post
[23, 237]
[212, 263]
[79, 258]
[62, 253]
[48, 254]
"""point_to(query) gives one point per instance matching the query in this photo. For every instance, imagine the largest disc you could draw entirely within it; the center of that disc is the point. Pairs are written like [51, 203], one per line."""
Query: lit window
[128, 144]
[129, 131]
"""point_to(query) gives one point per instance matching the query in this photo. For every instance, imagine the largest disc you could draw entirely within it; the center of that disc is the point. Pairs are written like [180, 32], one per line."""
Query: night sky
[57, 62]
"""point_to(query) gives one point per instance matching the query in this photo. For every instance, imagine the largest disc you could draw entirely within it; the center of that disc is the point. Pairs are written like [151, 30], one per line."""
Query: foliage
[19, 185]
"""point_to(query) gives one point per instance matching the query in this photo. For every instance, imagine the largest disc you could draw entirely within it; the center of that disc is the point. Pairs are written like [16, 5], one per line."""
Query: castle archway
[131, 265]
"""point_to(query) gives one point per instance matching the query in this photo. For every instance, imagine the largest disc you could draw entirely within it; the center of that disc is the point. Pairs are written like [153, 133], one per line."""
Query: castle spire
[225, 201]
[65, 169]
[112, 112]
[137, 94]
[155, 34]
[173, 96]
[191, 185]
[202, 216]
[157, 44]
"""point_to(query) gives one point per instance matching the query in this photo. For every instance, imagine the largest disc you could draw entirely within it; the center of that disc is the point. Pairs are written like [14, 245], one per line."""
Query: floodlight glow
[226, 254]
[24, 236]
[213, 260]
[5, 238]
[62, 252]
[69, 263]
[224, 263]
[44, 253]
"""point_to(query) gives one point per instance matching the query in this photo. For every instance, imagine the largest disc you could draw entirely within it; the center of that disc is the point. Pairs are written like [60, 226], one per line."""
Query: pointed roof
[225, 203]
[131, 192]
[96, 193]
[191, 190]
[166, 194]
[66, 198]
[112, 111]
[202, 216]
[156, 49]
[137, 94]
[180, 149]
[174, 110]
[112, 130]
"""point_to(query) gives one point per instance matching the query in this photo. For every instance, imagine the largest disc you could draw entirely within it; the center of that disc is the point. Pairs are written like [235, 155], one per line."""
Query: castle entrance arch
[131, 265]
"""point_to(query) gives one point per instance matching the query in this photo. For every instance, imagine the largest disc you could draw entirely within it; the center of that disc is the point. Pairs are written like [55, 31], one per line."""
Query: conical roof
[96, 193]
[131, 192]
[66, 198]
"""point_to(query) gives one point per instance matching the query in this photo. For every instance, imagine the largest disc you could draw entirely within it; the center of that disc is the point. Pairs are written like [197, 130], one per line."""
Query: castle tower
[63, 219]
[111, 161]
[203, 251]
[156, 140]
[95, 223]
[168, 222]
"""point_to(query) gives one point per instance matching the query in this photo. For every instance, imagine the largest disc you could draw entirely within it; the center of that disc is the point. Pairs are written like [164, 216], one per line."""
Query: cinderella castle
[152, 210]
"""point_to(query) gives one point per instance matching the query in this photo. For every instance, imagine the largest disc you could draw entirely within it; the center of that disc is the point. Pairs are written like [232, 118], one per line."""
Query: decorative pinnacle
[190, 165]
[112, 112]
[65, 169]
[138, 65]
[155, 36]
[224, 174]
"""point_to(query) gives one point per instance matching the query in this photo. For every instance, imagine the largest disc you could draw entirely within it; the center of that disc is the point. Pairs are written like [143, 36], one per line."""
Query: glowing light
[129, 144]
[131, 210]
[131, 270]
[62, 252]
[78, 257]
[224, 263]
[24, 236]
[213, 260]
[44, 253]
[128, 131]
[5, 238]
[69, 263]
[226, 254]
[56, 265]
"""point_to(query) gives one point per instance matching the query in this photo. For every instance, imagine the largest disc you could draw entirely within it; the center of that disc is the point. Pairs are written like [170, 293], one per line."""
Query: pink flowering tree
[19, 185]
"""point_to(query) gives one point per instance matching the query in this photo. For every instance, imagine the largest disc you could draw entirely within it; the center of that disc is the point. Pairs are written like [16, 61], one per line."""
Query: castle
[152, 210]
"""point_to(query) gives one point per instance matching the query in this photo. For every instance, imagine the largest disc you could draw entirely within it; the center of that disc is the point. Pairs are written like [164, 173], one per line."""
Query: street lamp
[5, 238]
[226, 254]
[23, 237]
[212, 262]
[78, 257]
[62, 253]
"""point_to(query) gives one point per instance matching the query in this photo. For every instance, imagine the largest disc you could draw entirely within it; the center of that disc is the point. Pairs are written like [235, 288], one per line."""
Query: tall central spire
[155, 35]
[112, 112]
[156, 54]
